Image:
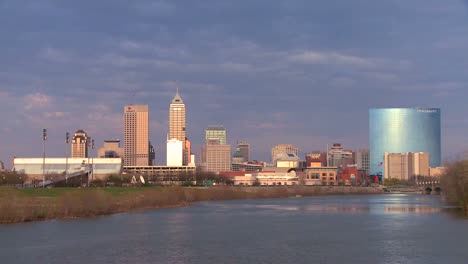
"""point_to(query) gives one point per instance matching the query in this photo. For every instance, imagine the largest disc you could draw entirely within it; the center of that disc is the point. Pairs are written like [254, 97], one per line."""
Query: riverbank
[24, 205]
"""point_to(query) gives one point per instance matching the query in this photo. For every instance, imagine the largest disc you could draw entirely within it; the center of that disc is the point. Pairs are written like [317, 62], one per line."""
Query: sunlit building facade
[216, 135]
[79, 145]
[283, 148]
[136, 133]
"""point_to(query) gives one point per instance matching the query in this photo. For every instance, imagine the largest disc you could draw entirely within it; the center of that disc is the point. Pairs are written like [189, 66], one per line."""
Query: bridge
[423, 187]
[429, 187]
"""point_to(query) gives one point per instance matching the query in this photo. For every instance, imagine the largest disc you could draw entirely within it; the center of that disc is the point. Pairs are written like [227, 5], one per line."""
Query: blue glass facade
[400, 130]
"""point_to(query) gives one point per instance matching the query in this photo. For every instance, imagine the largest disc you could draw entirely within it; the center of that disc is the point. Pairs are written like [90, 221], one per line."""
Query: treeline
[455, 184]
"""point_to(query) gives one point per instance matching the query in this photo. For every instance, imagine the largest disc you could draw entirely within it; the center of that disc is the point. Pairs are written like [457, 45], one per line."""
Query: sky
[298, 71]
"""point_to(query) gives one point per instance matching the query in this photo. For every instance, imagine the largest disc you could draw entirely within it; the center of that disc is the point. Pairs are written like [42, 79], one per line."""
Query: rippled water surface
[327, 229]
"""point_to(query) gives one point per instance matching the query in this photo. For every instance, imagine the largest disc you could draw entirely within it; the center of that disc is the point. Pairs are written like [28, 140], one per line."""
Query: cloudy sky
[295, 71]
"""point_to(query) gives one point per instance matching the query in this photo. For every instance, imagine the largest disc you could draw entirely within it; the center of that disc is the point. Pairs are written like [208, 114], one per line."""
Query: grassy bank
[22, 205]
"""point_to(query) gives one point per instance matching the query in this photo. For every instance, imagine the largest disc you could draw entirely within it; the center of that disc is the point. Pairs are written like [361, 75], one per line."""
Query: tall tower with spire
[177, 123]
[177, 118]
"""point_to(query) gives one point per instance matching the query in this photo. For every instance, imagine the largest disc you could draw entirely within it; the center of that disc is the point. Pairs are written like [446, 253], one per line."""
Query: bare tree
[455, 184]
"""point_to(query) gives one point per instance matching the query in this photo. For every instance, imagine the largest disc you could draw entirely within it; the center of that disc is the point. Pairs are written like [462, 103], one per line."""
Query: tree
[455, 184]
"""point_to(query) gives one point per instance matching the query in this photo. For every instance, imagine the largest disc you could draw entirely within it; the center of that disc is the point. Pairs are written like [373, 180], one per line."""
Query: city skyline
[263, 81]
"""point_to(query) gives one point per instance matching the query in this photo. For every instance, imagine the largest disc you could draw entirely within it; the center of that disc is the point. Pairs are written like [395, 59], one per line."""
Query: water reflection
[382, 229]
[327, 208]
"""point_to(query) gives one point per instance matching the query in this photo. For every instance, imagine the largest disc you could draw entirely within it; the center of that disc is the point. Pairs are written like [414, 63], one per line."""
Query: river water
[327, 229]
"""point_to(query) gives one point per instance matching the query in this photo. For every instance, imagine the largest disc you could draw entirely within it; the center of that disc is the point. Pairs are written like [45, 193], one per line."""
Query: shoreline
[31, 205]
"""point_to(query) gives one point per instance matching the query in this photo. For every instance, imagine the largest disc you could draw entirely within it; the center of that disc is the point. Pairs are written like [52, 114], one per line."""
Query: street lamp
[67, 140]
[44, 138]
[92, 158]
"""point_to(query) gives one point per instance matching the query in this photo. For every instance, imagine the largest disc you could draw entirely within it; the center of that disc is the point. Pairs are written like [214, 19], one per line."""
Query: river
[325, 229]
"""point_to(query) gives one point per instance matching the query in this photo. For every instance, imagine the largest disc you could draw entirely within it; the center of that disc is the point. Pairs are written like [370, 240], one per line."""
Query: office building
[177, 118]
[216, 157]
[244, 148]
[405, 166]
[401, 130]
[238, 156]
[216, 135]
[111, 149]
[188, 153]
[152, 155]
[283, 148]
[177, 125]
[363, 160]
[136, 133]
[79, 145]
[339, 157]
[174, 152]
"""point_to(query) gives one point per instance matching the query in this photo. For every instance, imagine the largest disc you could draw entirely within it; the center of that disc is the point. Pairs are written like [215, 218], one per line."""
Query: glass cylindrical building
[401, 130]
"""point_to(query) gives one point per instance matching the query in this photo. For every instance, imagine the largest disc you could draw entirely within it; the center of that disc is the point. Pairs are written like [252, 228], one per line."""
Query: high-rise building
[136, 131]
[217, 157]
[177, 118]
[405, 166]
[215, 154]
[177, 123]
[216, 135]
[174, 152]
[188, 152]
[152, 155]
[238, 156]
[111, 149]
[401, 130]
[283, 148]
[244, 148]
[363, 160]
[79, 145]
[339, 157]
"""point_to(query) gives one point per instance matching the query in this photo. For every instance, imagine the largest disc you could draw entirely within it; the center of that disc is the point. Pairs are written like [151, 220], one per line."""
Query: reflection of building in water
[400, 209]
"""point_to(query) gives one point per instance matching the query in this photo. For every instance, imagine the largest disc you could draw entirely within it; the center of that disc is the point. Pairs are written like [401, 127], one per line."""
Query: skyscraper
[215, 154]
[136, 133]
[244, 148]
[177, 118]
[215, 135]
[217, 157]
[401, 130]
[362, 160]
[79, 145]
[177, 122]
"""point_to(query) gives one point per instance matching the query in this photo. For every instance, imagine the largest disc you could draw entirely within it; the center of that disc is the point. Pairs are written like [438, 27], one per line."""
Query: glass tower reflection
[400, 130]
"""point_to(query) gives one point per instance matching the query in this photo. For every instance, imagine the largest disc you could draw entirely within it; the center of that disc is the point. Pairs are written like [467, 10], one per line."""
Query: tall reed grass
[39, 204]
